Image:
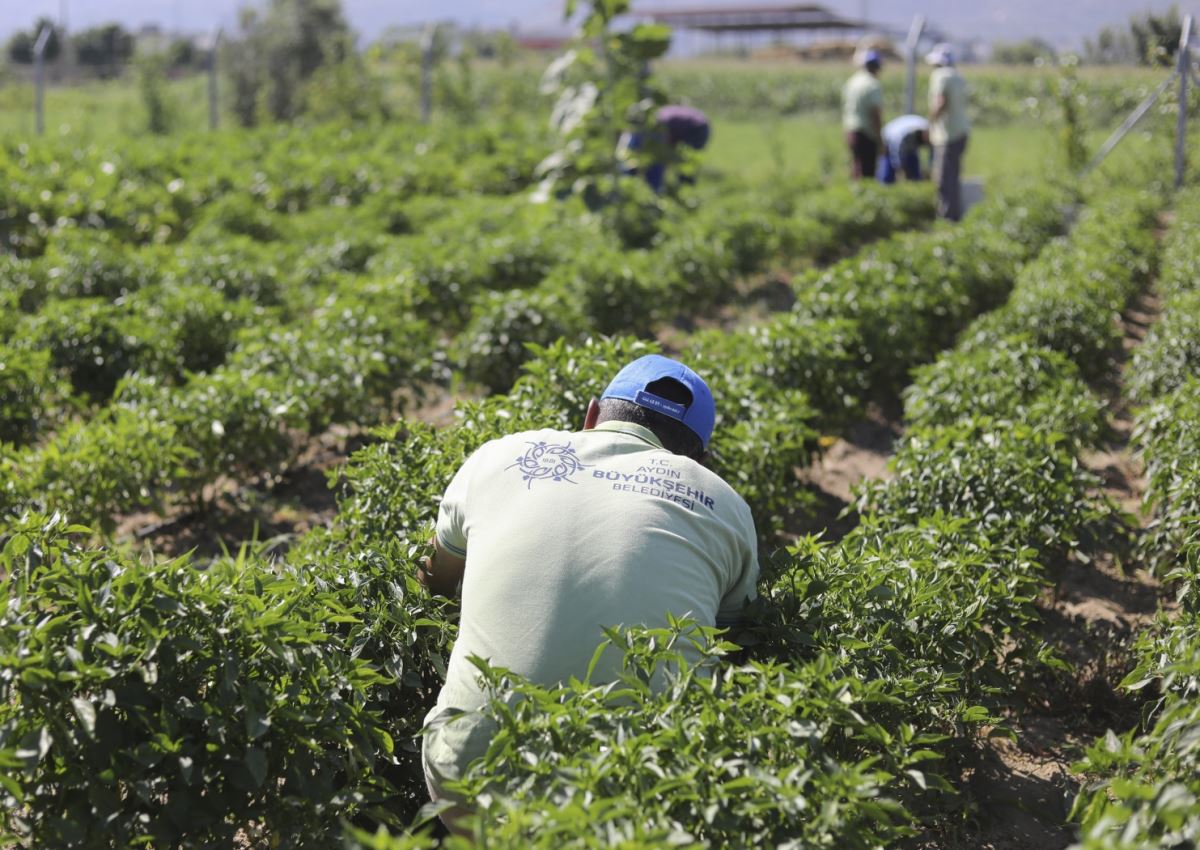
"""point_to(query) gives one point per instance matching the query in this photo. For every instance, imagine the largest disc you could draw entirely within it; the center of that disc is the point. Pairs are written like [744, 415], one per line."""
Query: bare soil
[862, 454]
[267, 513]
[756, 300]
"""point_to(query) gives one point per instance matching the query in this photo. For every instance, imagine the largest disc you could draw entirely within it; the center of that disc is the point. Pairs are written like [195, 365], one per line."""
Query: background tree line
[102, 50]
[1148, 39]
[286, 58]
[1145, 39]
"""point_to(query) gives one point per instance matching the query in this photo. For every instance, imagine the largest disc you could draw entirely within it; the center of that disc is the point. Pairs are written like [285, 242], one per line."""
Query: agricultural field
[238, 369]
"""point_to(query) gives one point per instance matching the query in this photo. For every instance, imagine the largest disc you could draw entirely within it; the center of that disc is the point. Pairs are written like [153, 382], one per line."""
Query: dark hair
[873, 65]
[676, 437]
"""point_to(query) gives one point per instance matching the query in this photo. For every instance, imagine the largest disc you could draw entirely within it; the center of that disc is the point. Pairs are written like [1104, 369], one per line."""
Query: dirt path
[863, 453]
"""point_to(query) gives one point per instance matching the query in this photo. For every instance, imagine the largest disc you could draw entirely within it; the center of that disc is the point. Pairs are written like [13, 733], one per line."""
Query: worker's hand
[443, 572]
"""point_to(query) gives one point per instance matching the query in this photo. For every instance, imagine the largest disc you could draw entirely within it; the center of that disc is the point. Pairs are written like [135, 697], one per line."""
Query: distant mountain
[1063, 22]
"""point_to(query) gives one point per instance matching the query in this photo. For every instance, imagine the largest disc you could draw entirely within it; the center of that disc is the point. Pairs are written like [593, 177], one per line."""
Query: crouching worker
[555, 535]
[675, 125]
[903, 140]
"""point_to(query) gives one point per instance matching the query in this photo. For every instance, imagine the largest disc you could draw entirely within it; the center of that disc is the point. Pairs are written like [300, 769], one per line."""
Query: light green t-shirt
[567, 533]
[861, 96]
[953, 124]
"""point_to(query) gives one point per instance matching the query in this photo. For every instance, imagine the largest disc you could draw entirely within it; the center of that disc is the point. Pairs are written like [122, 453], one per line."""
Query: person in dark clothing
[675, 125]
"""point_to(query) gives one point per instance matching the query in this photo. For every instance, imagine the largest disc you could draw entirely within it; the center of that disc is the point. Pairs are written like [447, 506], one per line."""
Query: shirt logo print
[548, 462]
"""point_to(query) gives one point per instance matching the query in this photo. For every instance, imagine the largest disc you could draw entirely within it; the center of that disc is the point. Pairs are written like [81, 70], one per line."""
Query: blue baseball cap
[871, 55]
[631, 382]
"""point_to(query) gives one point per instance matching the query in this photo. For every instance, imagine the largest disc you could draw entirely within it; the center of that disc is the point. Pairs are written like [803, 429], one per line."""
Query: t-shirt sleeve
[745, 585]
[452, 513]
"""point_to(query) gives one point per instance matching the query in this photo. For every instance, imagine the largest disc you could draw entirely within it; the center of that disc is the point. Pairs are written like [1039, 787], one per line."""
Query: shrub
[1069, 300]
[236, 214]
[237, 268]
[96, 343]
[936, 608]
[1146, 790]
[903, 318]
[1167, 432]
[821, 357]
[118, 461]
[694, 270]
[82, 264]
[201, 324]
[231, 421]
[857, 214]
[492, 347]
[1171, 351]
[177, 705]
[616, 291]
[1013, 381]
[645, 767]
[1019, 485]
[29, 393]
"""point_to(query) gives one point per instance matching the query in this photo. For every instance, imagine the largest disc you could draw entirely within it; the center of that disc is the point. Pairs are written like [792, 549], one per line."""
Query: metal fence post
[39, 76]
[1184, 68]
[214, 112]
[910, 61]
[427, 44]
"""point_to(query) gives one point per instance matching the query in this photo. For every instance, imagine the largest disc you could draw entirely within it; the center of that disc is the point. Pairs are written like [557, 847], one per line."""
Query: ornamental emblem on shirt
[548, 462]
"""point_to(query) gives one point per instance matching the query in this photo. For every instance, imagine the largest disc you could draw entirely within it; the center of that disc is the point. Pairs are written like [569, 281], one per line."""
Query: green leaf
[86, 712]
[256, 763]
[12, 786]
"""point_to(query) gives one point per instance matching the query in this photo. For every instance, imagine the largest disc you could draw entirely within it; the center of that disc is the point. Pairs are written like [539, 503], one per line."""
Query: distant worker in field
[555, 535]
[903, 140]
[949, 128]
[862, 115]
[675, 125]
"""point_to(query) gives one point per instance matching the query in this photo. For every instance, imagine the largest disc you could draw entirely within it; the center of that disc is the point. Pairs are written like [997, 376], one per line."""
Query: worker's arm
[877, 123]
[939, 107]
[443, 572]
[743, 588]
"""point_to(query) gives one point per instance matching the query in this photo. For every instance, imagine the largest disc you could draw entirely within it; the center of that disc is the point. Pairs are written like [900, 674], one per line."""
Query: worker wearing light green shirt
[556, 535]
[949, 128]
[862, 115]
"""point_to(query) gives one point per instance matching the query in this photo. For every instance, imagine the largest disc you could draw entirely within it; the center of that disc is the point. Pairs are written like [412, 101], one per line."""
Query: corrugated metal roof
[791, 16]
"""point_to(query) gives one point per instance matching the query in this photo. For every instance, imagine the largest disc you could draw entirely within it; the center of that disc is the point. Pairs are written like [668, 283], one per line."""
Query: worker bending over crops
[948, 129]
[675, 125]
[903, 139]
[862, 115]
[556, 535]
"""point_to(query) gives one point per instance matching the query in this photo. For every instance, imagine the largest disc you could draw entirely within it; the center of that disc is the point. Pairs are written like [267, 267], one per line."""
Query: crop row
[918, 604]
[215, 365]
[875, 661]
[1146, 782]
[154, 191]
[291, 692]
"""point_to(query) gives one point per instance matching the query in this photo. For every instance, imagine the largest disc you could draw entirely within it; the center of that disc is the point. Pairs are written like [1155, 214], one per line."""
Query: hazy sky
[366, 16]
[1064, 22]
